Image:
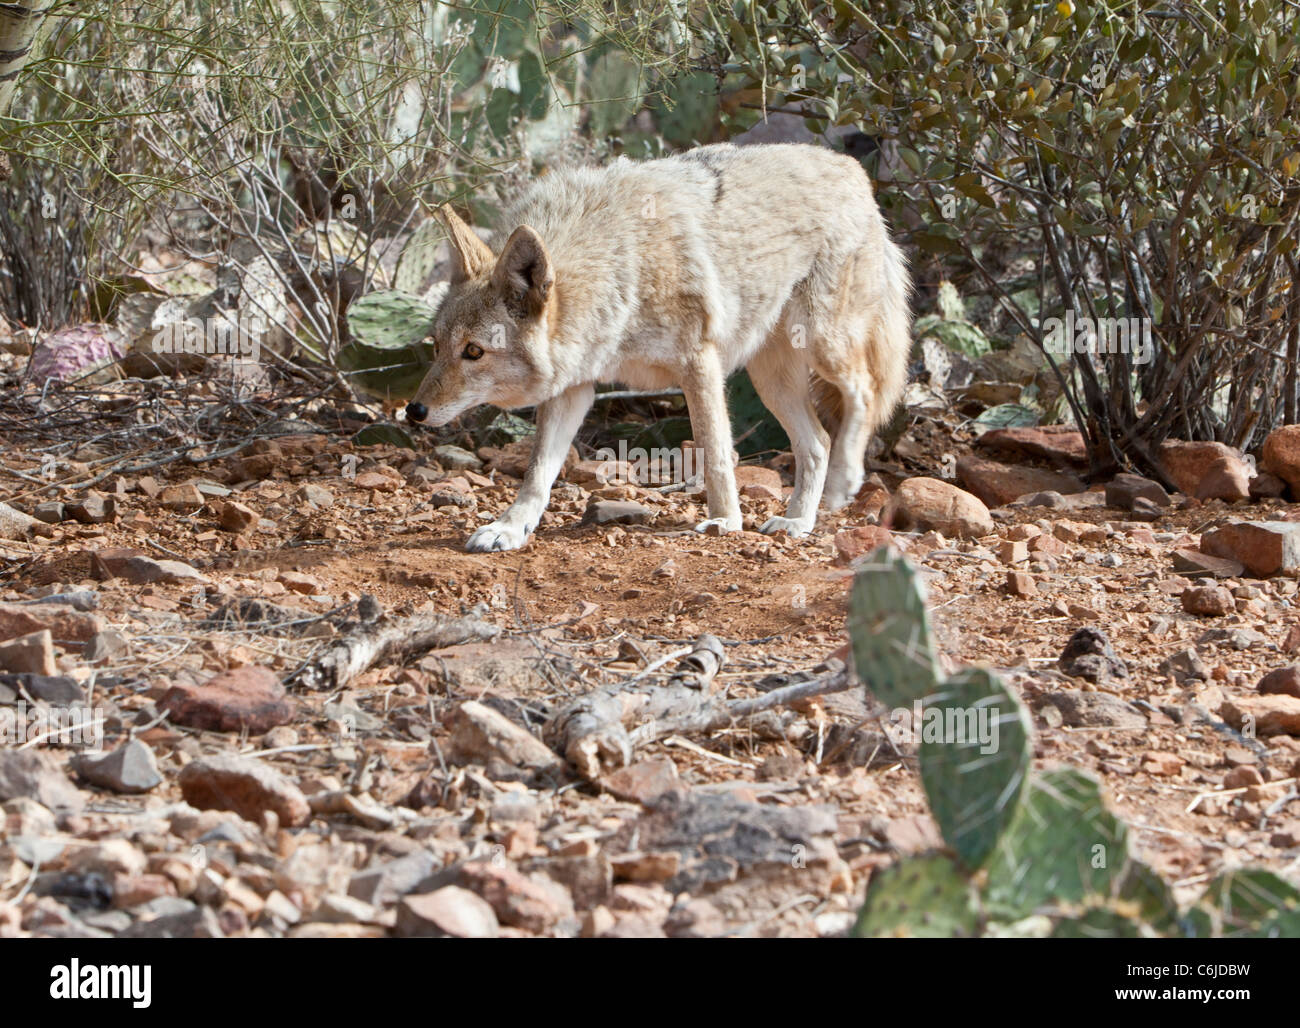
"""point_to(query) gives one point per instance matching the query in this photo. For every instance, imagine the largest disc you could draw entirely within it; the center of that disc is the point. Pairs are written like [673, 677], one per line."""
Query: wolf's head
[489, 337]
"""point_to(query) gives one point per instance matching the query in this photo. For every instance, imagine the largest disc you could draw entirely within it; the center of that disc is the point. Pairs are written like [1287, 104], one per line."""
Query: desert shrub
[1139, 159]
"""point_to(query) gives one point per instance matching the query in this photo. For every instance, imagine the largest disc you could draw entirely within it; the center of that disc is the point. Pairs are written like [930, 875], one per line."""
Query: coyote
[677, 272]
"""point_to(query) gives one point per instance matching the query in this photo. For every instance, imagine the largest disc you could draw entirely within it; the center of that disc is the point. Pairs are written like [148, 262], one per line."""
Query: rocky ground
[418, 799]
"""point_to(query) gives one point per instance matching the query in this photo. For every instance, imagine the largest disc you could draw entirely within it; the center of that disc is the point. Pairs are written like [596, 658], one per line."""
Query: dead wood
[388, 642]
[602, 730]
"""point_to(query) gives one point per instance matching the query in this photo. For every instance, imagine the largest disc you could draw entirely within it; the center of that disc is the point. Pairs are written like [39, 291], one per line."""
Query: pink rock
[852, 543]
[248, 787]
[246, 698]
[925, 504]
[998, 484]
[1281, 455]
[71, 352]
[1190, 464]
[1265, 548]
[1051, 442]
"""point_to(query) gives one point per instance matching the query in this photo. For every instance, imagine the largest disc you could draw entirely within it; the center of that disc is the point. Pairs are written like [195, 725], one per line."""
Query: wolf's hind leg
[558, 421]
[780, 376]
[849, 450]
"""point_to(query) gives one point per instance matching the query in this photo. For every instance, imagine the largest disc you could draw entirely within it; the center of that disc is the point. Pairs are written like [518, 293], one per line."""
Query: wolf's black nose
[416, 412]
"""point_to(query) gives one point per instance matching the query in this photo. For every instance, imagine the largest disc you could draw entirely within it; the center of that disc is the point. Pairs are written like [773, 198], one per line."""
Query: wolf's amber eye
[472, 352]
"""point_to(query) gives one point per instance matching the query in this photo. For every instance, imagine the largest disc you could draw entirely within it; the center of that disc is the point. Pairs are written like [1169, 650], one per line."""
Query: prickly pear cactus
[1063, 848]
[975, 759]
[75, 353]
[263, 311]
[1032, 856]
[389, 320]
[889, 627]
[1149, 897]
[1099, 923]
[1249, 901]
[419, 258]
[920, 897]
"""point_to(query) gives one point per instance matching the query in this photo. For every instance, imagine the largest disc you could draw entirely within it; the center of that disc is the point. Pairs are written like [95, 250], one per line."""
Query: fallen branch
[387, 642]
[604, 728]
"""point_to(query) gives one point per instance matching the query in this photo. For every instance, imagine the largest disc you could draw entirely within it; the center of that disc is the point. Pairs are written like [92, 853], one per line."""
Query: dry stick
[592, 732]
[386, 642]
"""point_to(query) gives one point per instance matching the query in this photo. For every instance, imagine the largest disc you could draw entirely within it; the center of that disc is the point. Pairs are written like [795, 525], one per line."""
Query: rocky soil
[419, 799]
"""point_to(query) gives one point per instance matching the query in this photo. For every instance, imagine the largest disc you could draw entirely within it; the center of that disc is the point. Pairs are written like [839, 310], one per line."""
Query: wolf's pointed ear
[471, 256]
[523, 272]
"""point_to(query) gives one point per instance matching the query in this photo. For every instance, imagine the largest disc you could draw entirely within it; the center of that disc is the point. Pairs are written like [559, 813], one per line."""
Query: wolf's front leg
[558, 420]
[706, 402]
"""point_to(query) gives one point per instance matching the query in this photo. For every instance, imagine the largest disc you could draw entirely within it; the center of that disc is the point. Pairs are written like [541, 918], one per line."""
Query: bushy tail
[889, 349]
[891, 341]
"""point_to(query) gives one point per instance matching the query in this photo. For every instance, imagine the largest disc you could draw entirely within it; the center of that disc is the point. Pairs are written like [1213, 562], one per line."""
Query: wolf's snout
[416, 411]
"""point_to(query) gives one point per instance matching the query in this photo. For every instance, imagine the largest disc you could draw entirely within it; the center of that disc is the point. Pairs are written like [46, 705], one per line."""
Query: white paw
[718, 526]
[791, 526]
[497, 536]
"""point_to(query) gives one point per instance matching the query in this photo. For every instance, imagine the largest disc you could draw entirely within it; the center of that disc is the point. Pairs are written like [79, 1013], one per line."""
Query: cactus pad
[975, 760]
[1246, 900]
[419, 258]
[893, 650]
[920, 897]
[389, 320]
[1098, 923]
[1063, 848]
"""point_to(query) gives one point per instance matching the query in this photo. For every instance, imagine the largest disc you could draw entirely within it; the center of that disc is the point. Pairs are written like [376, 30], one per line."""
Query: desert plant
[285, 150]
[1026, 854]
[1139, 159]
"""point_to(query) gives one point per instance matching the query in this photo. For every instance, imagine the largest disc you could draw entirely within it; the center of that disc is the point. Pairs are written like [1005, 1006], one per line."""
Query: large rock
[1093, 710]
[479, 734]
[1264, 548]
[449, 911]
[14, 524]
[1273, 714]
[925, 504]
[1281, 455]
[386, 883]
[1051, 442]
[516, 900]
[246, 698]
[645, 781]
[1195, 564]
[1124, 490]
[38, 776]
[1208, 601]
[998, 484]
[1283, 680]
[65, 623]
[1088, 654]
[138, 568]
[852, 543]
[32, 654]
[56, 690]
[248, 787]
[128, 769]
[1207, 471]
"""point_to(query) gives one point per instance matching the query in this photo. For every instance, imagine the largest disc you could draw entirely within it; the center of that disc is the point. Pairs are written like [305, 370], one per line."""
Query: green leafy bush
[1138, 160]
